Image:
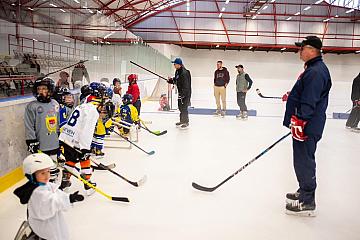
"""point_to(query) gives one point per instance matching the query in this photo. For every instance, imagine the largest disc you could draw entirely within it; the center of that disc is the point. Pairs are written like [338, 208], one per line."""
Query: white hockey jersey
[46, 218]
[79, 130]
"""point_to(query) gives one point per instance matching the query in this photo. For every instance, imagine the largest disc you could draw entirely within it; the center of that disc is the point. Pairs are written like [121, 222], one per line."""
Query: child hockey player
[45, 202]
[41, 122]
[78, 132]
[128, 113]
[103, 124]
[66, 101]
[164, 103]
[133, 89]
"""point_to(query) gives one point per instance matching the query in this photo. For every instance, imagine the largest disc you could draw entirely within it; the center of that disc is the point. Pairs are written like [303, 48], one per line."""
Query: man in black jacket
[354, 117]
[182, 80]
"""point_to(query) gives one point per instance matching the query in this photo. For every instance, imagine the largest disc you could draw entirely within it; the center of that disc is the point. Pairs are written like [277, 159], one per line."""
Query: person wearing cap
[305, 115]
[182, 80]
[243, 84]
[221, 80]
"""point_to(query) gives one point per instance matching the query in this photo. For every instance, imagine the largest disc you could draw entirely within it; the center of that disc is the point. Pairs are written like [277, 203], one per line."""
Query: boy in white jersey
[78, 132]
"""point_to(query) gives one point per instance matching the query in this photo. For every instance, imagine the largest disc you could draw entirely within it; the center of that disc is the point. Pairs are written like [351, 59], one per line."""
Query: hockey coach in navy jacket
[306, 115]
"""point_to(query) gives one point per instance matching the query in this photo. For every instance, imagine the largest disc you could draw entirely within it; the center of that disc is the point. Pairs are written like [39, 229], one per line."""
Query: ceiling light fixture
[317, 2]
[220, 15]
[307, 8]
[289, 18]
[62, 10]
[283, 49]
[265, 7]
[53, 5]
[227, 1]
[349, 11]
[298, 13]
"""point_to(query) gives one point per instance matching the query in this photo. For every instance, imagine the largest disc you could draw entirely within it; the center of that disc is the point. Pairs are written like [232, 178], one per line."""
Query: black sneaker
[291, 197]
[184, 126]
[178, 124]
[301, 209]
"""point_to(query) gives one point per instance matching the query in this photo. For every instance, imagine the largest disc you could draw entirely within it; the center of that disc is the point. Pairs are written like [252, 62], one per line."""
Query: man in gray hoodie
[243, 84]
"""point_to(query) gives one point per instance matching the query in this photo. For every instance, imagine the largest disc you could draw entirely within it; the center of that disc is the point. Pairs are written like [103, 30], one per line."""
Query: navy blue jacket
[309, 97]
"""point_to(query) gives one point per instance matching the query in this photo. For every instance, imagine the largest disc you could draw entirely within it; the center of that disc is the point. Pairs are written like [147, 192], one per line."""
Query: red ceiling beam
[222, 21]
[107, 8]
[255, 34]
[141, 19]
[246, 45]
[133, 3]
[177, 27]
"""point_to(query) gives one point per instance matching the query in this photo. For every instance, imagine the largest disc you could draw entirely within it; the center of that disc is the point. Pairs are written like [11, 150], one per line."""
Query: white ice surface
[249, 206]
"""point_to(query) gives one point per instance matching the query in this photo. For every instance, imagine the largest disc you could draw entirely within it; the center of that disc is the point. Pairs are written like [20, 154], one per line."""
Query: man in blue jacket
[306, 115]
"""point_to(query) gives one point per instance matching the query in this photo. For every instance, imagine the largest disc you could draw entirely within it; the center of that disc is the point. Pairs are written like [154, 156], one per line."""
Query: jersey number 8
[73, 119]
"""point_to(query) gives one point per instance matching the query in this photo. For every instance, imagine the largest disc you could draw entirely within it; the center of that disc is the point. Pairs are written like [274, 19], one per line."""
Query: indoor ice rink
[107, 39]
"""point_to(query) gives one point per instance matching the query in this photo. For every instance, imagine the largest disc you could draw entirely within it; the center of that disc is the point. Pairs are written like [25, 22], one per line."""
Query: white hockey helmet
[35, 162]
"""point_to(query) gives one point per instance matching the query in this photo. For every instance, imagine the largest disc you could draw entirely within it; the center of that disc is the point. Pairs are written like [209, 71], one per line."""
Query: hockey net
[161, 87]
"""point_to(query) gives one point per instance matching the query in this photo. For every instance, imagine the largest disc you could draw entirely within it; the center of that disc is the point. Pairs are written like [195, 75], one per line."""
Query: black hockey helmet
[98, 90]
[127, 99]
[60, 93]
[49, 83]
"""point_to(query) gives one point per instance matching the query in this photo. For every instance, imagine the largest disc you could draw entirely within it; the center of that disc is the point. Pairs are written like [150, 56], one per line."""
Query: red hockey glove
[357, 103]
[285, 96]
[297, 128]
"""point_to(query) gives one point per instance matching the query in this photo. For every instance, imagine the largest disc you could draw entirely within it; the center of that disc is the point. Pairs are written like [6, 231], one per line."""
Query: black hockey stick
[211, 189]
[131, 142]
[148, 70]
[259, 93]
[119, 199]
[136, 184]
[81, 61]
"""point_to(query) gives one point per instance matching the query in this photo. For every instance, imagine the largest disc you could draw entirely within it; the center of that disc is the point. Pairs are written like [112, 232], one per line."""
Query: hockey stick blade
[132, 143]
[158, 133]
[135, 184]
[120, 199]
[206, 189]
[202, 188]
[262, 96]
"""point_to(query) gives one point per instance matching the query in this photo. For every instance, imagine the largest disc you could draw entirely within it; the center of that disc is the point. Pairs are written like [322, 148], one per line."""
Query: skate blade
[310, 213]
[289, 201]
[89, 192]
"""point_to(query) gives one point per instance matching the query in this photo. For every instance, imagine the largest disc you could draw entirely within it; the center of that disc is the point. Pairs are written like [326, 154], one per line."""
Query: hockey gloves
[76, 197]
[33, 145]
[285, 97]
[357, 103]
[297, 128]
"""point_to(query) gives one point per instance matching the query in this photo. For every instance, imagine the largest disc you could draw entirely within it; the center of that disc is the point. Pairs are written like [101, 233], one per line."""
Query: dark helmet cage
[127, 99]
[97, 89]
[109, 93]
[60, 93]
[48, 82]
